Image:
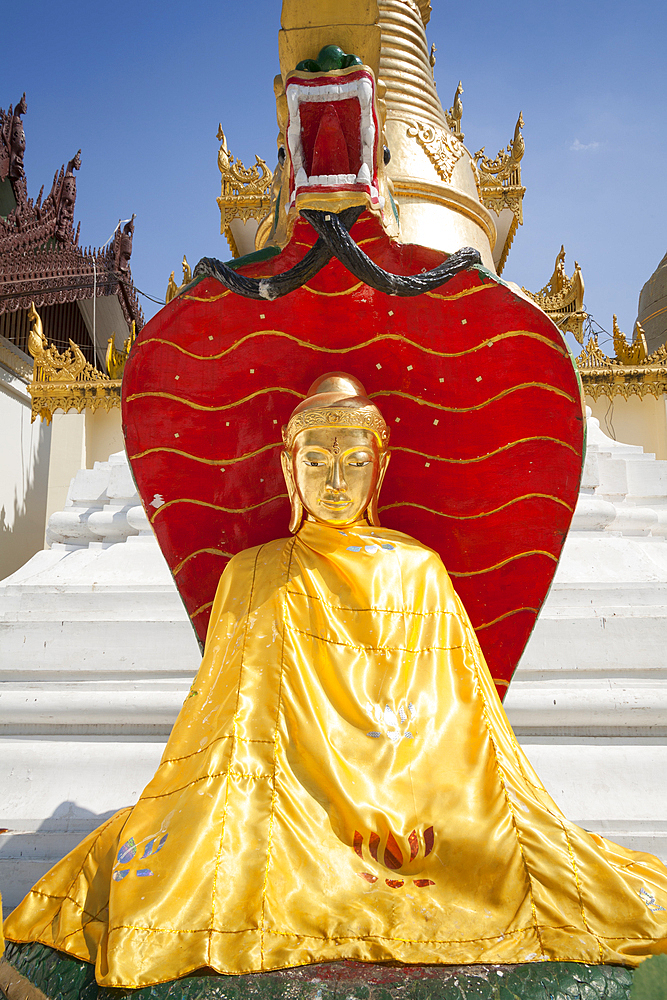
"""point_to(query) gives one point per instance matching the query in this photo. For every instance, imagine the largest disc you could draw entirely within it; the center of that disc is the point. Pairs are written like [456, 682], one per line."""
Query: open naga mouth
[332, 133]
[333, 138]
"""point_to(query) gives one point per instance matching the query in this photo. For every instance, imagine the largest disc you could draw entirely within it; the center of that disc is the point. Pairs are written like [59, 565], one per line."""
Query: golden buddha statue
[342, 781]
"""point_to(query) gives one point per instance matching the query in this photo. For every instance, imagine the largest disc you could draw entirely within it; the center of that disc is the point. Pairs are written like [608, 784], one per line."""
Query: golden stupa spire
[405, 65]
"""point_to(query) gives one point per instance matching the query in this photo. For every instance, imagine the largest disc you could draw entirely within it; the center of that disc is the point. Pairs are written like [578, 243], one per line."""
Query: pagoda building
[84, 302]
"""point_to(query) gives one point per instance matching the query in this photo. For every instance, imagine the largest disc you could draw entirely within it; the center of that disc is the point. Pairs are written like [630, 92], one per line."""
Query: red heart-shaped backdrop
[476, 385]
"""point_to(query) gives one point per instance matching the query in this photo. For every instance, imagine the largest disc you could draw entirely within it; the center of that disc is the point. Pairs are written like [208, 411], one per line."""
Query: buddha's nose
[337, 479]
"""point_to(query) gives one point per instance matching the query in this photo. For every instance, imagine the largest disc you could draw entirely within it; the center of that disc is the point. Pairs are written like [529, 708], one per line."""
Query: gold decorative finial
[629, 354]
[455, 113]
[37, 342]
[499, 184]
[172, 288]
[245, 191]
[187, 271]
[632, 372]
[562, 298]
[116, 359]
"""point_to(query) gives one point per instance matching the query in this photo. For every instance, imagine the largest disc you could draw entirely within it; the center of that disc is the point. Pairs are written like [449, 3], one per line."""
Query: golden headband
[366, 418]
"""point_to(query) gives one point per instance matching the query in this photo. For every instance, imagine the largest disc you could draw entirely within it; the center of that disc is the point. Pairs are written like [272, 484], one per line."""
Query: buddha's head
[336, 453]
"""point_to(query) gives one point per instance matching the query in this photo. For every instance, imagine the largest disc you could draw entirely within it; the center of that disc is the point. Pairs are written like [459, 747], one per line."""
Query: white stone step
[49, 707]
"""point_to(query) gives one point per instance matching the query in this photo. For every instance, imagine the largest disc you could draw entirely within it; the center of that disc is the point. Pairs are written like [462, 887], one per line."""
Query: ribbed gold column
[404, 64]
[431, 171]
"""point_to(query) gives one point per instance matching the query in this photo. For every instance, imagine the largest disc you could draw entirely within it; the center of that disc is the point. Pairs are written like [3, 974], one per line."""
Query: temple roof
[40, 257]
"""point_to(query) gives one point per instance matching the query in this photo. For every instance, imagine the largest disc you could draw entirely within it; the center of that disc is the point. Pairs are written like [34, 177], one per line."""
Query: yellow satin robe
[342, 782]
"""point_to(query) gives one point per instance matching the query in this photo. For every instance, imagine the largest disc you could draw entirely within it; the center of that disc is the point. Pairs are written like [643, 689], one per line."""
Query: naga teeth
[327, 180]
[365, 92]
[301, 177]
[364, 175]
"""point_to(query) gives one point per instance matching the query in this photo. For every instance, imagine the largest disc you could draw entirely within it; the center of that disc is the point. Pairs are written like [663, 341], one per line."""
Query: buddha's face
[336, 471]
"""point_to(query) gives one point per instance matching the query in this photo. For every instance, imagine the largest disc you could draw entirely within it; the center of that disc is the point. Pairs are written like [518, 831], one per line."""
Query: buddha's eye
[313, 462]
[357, 460]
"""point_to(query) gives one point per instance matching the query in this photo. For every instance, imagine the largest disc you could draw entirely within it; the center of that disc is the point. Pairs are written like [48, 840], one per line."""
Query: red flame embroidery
[393, 857]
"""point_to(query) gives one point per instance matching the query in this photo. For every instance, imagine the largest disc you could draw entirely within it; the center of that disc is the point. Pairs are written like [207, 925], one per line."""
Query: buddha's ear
[294, 499]
[372, 510]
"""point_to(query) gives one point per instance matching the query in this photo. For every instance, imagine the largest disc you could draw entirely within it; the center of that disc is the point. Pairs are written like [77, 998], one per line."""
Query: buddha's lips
[338, 503]
[332, 134]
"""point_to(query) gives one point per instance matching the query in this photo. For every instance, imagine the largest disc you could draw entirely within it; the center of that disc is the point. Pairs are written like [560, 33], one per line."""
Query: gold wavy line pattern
[206, 298]
[410, 451]
[501, 618]
[354, 347]
[199, 552]
[204, 607]
[490, 454]
[207, 461]
[499, 680]
[484, 513]
[212, 409]
[504, 562]
[477, 406]
[331, 295]
[215, 506]
[460, 295]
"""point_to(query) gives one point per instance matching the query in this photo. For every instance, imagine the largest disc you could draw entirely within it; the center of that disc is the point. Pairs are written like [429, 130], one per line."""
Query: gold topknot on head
[336, 399]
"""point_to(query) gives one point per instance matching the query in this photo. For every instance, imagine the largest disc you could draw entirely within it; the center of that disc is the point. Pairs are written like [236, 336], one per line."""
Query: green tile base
[60, 977]
[55, 974]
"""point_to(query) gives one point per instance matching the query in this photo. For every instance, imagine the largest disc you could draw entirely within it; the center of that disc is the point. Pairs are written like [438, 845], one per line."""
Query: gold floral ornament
[443, 148]
[336, 454]
[65, 381]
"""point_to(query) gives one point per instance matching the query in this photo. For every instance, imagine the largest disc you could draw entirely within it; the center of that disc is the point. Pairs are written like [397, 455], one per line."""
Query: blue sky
[141, 87]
